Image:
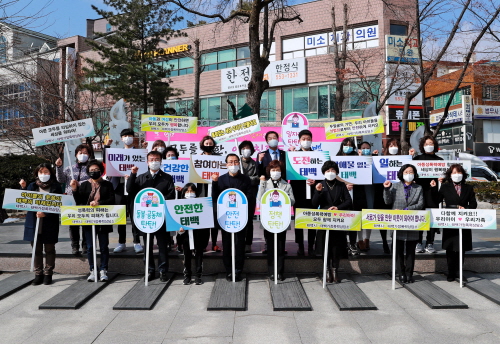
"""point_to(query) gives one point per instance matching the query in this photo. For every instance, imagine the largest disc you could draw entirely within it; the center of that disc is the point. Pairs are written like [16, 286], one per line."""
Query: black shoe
[264, 251]
[163, 277]
[311, 252]
[47, 279]
[229, 277]
[84, 250]
[187, 280]
[151, 276]
[410, 279]
[450, 278]
[238, 277]
[402, 279]
[271, 278]
[197, 280]
[387, 250]
[76, 252]
[38, 280]
[281, 277]
[300, 252]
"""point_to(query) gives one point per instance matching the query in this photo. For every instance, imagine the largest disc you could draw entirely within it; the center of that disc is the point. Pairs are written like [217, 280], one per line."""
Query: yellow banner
[334, 220]
[100, 215]
[169, 124]
[409, 220]
[354, 127]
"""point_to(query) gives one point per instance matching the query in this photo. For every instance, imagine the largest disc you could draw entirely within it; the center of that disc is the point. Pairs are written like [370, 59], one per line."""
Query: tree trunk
[197, 74]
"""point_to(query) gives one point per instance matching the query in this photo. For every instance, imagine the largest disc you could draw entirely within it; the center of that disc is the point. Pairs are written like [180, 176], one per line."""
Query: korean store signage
[402, 48]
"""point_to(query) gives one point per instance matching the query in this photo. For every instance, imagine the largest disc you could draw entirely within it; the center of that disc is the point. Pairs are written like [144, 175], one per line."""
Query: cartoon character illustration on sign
[232, 200]
[156, 201]
[295, 123]
[275, 199]
[147, 200]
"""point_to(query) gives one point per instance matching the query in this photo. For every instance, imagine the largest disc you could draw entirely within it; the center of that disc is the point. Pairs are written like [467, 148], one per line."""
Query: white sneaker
[430, 248]
[104, 276]
[419, 248]
[91, 277]
[119, 248]
[138, 248]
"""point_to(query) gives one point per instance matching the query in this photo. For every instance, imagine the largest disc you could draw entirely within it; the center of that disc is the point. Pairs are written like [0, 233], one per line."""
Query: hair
[403, 168]
[388, 144]
[159, 143]
[80, 148]
[275, 192]
[231, 193]
[47, 166]
[362, 143]
[272, 132]
[207, 137]
[422, 143]
[127, 131]
[305, 132]
[295, 116]
[344, 143]
[93, 163]
[274, 164]
[172, 149]
[246, 143]
[460, 168]
[186, 187]
[232, 154]
[158, 154]
[328, 165]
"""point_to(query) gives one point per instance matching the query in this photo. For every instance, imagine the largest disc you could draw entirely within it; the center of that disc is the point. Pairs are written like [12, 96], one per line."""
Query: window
[491, 131]
[108, 27]
[400, 30]
[441, 100]
[3, 49]
[491, 92]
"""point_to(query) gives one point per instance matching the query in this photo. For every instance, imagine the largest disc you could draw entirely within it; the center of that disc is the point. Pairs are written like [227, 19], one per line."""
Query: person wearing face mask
[160, 146]
[249, 168]
[200, 237]
[457, 195]
[163, 182]
[406, 195]
[332, 194]
[48, 230]
[76, 172]
[233, 179]
[275, 181]
[347, 148]
[94, 192]
[273, 153]
[127, 137]
[299, 190]
[428, 147]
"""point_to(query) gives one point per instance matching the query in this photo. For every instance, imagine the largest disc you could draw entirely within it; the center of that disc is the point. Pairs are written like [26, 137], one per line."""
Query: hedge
[487, 191]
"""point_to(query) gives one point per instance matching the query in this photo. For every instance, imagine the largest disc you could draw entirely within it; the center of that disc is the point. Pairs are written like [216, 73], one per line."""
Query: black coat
[163, 182]
[262, 165]
[430, 194]
[299, 191]
[48, 232]
[467, 199]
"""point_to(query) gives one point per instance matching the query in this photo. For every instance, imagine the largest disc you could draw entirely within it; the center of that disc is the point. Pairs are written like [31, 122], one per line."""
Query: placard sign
[178, 169]
[413, 220]
[354, 127]
[354, 169]
[292, 125]
[169, 124]
[335, 220]
[203, 166]
[99, 215]
[63, 132]
[232, 210]
[464, 218]
[119, 161]
[191, 213]
[387, 167]
[437, 168]
[235, 129]
[149, 210]
[36, 201]
[302, 165]
[275, 210]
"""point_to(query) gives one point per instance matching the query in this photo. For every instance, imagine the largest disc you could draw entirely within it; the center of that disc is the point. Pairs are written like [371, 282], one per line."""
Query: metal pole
[147, 261]
[94, 253]
[325, 260]
[461, 255]
[34, 245]
[233, 258]
[394, 260]
[275, 258]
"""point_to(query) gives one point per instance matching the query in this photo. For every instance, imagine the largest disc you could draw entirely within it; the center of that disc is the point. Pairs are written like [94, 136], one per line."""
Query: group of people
[85, 180]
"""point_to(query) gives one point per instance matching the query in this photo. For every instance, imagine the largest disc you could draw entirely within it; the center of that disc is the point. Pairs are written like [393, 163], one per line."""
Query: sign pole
[236, 145]
[394, 260]
[275, 258]
[66, 149]
[233, 258]
[308, 191]
[94, 253]
[168, 135]
[191, 240]
[147, 260]
[461, 257]
[34, 245]
[325, 260]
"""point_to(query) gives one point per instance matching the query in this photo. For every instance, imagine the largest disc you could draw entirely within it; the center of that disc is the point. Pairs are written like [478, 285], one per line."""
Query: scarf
[95, 194]
[45, 185]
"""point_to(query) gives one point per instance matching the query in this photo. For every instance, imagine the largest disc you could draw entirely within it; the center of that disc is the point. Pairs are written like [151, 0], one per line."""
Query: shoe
[163, 277]
[402, 279]
[367, 244]
[271, 278]
[285, 252]
[361, 245]
[264, 251]
[329, 275]
[179, 249]
[353, 250]
[281, 277]
[104, 276]
[91, 277]
[387, 250]
[410, 279]
[216, 248]
[450, 278]
[430, 248]
[187, 280]
[419, 249]
[197, 280]
[311, 252]
[300, 251]
[76, 252]
[84, 250]
[138, 248]
[248, 248]
[47, 279]
[120, 248]
[38, 280]
[335, 275]
[151, 276]
[229, 277]
[238, 277]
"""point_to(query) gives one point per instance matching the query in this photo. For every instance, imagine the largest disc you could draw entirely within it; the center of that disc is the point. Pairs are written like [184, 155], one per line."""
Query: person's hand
[22, 182]
[58, 162]
[310, 182]
[441, 180]
[387, 184]
[144, 144]
[134, 170]
[178, 188]
[108, 142]
[360, 152]
[126, 176]
[319, 186]
[333, 208]
[215, 177]
[94, 204]
[433, 183]
[375, 152]
[291, 148]
[349, 187]
[411, 151]
[181, 230]
[261, 156]
[73, 184]
[263, 178]
[39, 214]
[460, 207]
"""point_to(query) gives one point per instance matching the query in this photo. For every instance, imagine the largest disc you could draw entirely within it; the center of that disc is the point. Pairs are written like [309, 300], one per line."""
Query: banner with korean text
[354, 169]
[235, 129]
[63, 132]
[337, 220]
[99, 215]
[36, 201]
[119, 161]
[354, 127]
[387, 167]
[191, 213]
[414, 220]
[302, 165]
[178, 169]
[437, 168]
[203, 166]
[464, 218]
[169, 124]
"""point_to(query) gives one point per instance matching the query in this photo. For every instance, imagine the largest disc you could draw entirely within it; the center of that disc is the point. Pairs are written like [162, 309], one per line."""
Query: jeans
[103, 238]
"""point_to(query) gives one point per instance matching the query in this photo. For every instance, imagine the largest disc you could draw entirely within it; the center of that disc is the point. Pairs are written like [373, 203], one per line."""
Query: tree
[127, 68]
[261, 18]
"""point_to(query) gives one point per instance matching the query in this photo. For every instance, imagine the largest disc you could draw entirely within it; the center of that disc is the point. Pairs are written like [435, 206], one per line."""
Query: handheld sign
[354, 169]
[63, 132]
[275, 216]
[235, 129]
[178, 169]
[354, 127]
[149, 216]
[302, 165]
[232, 215]
[191, 213]
[203, 166]
[292, 125]
[387, 167]
[119, 161]
[437, 168]
[169, 124]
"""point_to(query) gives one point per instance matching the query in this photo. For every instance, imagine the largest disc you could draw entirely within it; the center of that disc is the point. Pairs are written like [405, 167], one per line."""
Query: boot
[329, 275]
[38, 280]
[361, 245]
[367, 244]
[47, 279]
[335, 275]
[300, 251]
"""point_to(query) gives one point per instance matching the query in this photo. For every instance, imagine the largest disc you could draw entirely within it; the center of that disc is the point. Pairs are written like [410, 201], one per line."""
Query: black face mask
[207, 149]
[95, 175]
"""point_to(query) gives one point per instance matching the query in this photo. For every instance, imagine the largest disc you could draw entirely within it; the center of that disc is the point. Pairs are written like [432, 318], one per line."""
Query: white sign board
[464, 218]
[402, 48]
[235, 129]
[487, 111]
[36, 201]
[275, 210]
[354, 169]
[387, 167]
[178, 169]
[149, 210]
[119, 161]
[291, 126]
[63, 132]
[191, 213]
[454, 116]
[232, 210]
[203, 166]
[437, 168]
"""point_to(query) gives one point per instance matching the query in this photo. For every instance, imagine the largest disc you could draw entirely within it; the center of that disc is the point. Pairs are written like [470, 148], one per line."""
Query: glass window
[214, 108]
[226, 55]
[271, 104]
[243, 53]
[287, 101]
[301, 100]
[400, 30]
[313, 99]
[208, 68]
[3, 49]
[204, 108]
[209, 58]
[173, 64]
[323, 101]
[185, 62]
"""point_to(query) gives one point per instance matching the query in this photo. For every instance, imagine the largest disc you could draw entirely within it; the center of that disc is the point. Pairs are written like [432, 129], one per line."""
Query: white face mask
[306, 144]
[233, 169]
[171, 158]
[190, 195]
[429, 149]
[44, 177]
[128, 140]
[408, 177]
[246, 153]
[83, 157]
[160, 149]
[275, 175]
[330, 175]
[273, 143]
[457, 177]
[393, 150]
[154, 165]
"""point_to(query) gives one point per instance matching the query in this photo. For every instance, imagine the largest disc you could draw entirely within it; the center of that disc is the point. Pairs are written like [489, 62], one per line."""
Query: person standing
[163, 182]
[76, 172]
[48, 230]
[406, 195]
[273, 153]
[94, 192]
[236, 180]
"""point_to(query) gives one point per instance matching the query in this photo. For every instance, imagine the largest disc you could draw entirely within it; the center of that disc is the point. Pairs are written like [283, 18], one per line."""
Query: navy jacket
[240, 181]
[261, 166]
